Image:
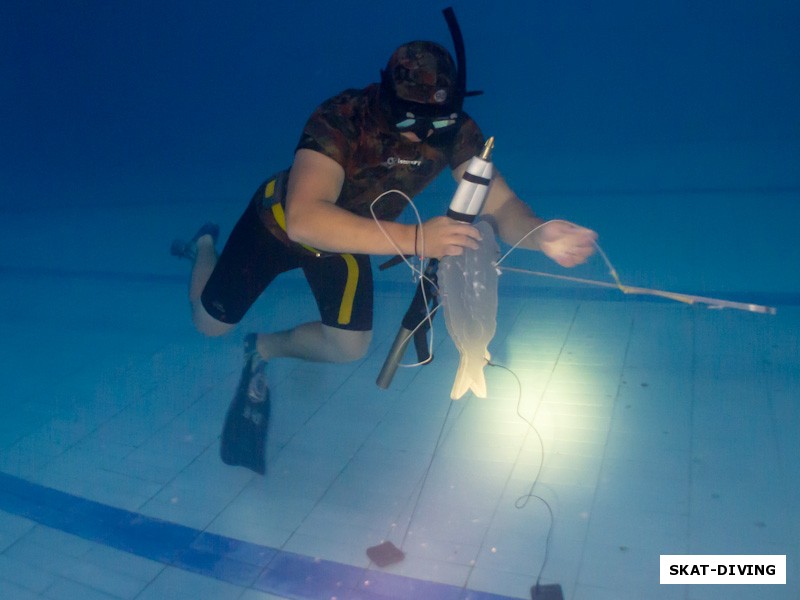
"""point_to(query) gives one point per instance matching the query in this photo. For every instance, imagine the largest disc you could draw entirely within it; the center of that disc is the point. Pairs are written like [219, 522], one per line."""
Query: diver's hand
[443, 236]
[566, 243]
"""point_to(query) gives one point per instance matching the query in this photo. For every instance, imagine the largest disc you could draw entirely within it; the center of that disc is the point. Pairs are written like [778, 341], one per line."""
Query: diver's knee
[361, 346]
[206, 324]
[349, 345]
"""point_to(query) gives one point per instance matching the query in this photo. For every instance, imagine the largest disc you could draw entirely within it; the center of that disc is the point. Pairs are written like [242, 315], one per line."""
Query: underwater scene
[612, 418]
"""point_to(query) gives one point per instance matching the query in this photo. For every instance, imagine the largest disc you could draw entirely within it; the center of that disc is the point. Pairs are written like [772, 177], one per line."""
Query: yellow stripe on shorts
[350, 286]
[269, 190]
[346, 307]
[280, 219]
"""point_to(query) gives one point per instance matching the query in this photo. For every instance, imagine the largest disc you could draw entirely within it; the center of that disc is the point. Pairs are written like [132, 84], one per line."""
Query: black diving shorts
[252, 257]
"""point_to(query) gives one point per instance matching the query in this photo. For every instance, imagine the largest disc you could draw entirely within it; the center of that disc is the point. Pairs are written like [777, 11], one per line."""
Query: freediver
[398, 134]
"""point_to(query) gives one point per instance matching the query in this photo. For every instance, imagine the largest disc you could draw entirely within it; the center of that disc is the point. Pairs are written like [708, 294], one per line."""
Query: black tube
[393, 358]
[461, 57]
[417, 320]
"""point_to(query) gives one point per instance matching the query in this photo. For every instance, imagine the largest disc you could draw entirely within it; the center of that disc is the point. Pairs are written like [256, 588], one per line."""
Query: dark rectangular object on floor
[547, 592]
[385, 554]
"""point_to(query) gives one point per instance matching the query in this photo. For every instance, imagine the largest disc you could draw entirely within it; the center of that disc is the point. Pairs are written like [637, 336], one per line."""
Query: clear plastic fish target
[468, 293]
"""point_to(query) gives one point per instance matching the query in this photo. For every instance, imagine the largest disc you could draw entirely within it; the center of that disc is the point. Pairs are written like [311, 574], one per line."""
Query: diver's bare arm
[511, 218]
[564, 242]
[312, 217]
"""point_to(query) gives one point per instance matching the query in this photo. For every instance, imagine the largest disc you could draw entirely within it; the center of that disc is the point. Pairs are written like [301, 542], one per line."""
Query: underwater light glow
[570, 407]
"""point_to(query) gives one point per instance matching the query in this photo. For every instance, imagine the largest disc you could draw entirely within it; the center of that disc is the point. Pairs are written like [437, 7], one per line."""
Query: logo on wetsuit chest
[394, 161]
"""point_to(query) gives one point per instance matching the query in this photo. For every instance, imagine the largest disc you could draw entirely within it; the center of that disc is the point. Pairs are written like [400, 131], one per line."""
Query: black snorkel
[461, 57]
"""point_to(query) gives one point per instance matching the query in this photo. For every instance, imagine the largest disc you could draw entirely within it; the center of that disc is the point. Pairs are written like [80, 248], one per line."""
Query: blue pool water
[671, 128]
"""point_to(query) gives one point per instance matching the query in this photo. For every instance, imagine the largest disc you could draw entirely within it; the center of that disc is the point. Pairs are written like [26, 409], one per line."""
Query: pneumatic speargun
[465, 206]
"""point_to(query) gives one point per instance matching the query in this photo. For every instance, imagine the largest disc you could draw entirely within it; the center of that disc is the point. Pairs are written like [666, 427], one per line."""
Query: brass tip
[486, 153]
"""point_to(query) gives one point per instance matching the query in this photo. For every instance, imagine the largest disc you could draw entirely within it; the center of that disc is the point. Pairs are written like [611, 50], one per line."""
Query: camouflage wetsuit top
[351, 129]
